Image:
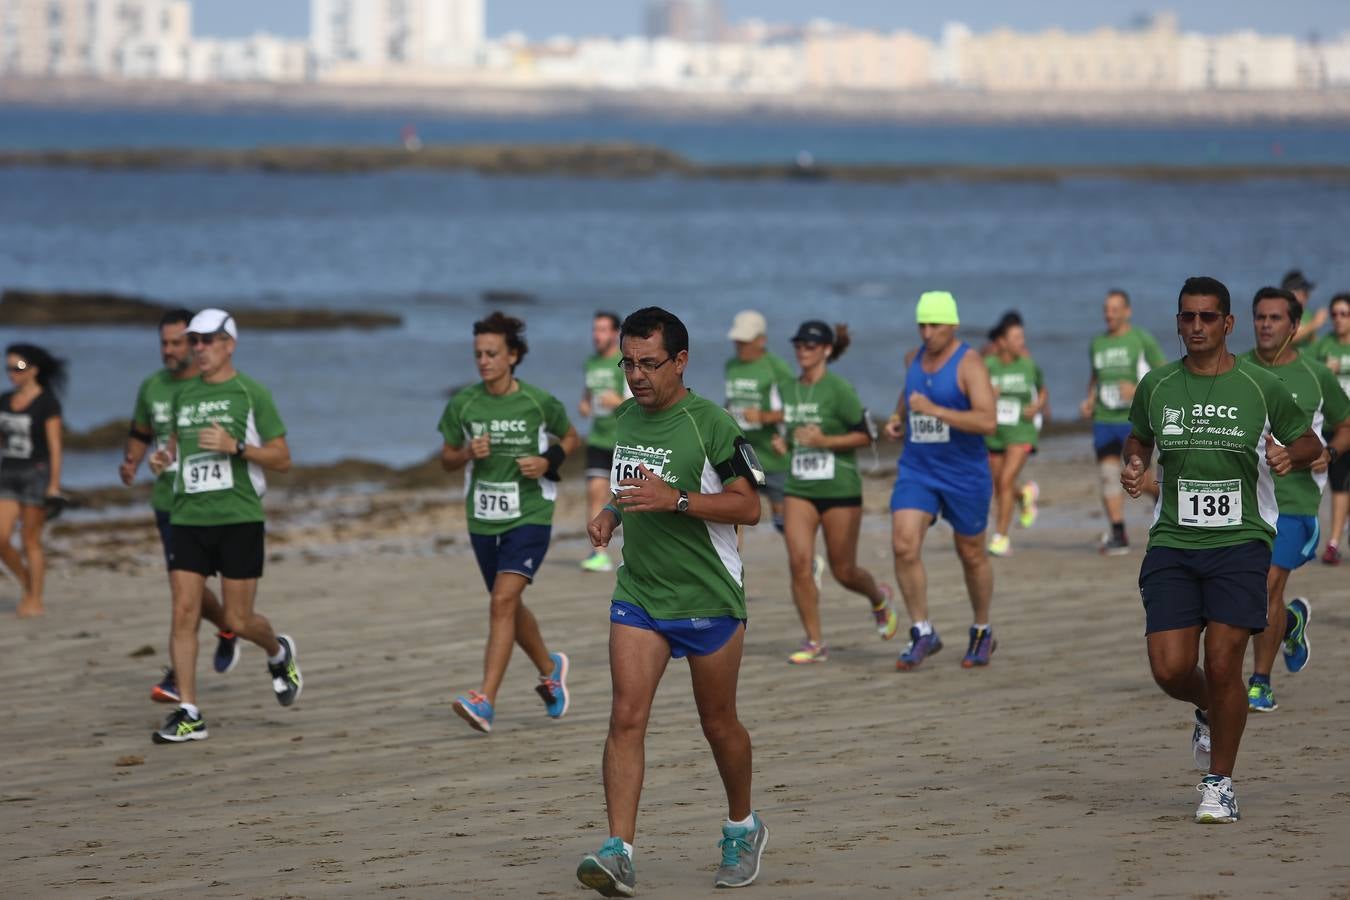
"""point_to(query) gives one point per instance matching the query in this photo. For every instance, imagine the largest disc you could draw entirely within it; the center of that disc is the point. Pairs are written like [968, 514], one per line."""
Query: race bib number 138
[1209, 504]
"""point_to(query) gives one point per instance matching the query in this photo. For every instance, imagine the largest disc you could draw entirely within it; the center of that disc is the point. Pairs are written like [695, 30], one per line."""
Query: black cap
[1294, 280]
[814, 332]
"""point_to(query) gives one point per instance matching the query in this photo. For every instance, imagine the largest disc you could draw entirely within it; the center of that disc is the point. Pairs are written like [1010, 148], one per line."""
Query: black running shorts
[234, 551]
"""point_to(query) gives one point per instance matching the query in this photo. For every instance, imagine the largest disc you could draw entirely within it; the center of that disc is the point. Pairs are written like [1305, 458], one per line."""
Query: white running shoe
[1200, 742]
[1218, 805]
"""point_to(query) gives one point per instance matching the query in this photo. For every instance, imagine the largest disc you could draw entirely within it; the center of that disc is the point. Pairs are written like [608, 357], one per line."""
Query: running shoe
[1030, 493]
[1297, 651]
[476, 710]
[180, 728]
[982, 646]
[818, 570]
[1333, 555]
[598, 561]
[741, 849]
[167, 689]
[287, 682]
[1200, 742]
[227, 651]
[1000, 545]
[609, 870]
[888, 623]
[1261, 697]
[1218, 804]
[1114, 546]
[553, 687]
[921, 646]
[809, 652]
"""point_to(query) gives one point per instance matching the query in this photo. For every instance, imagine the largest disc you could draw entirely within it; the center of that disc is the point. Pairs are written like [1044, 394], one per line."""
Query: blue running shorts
[968, 513]
[1296, 541]
[1108, 438]
[686, 637]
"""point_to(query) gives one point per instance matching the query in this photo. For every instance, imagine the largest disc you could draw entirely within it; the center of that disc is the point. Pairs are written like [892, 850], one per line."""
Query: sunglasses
[196, 340]
[1208, 316]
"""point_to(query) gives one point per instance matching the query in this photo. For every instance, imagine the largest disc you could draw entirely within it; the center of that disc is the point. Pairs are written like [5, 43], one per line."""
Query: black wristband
[143, 436]
[1332, 455]
[555, 455]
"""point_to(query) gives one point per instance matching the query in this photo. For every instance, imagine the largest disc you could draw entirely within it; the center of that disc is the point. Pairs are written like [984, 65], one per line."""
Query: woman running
[498, 431]
[1022, 395]
[826, 424]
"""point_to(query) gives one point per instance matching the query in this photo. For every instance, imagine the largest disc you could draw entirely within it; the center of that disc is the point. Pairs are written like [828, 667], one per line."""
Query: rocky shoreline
[26, 307]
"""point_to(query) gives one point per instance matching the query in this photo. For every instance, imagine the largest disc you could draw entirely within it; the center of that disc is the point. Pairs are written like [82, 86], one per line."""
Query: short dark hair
[1007, 320]
[52, 372]
[1339, 298]
[650, 319]
[1121, 293]
[174, 316]
[509, 327]
[613, 318]
[1204, 286]
[1274, 293]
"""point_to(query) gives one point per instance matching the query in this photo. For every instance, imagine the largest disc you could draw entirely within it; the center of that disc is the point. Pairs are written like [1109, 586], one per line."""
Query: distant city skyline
[290, 18]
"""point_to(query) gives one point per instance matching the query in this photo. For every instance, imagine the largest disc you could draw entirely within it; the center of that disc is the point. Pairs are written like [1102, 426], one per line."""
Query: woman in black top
[30, 463]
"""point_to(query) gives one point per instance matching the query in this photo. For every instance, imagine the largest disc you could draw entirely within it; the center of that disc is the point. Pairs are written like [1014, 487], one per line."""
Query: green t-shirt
[676, 566]
[756, 385]
[1321, 399]
[1331, 353]
[213, 487]
[154, 409]
[1210, 432]
[1117, 359]
[1017, 385]
[603, 374]
[497, 498]
[833, 404]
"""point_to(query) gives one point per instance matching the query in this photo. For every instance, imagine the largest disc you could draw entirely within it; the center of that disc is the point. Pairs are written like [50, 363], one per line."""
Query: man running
[1119, 358]
[1212, 417]
[1275, 316]
[152, 423]
[1333, 351]
[605, 390]
[226, 432]
[1296, 283]
[684, 477]
[755, 400]
[945, 411]
[498, 431]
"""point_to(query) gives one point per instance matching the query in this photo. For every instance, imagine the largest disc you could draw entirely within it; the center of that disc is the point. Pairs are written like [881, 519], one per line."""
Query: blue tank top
[935, 453]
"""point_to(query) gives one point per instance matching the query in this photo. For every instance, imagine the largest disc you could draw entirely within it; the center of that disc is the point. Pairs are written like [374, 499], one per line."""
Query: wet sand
[1060, 771]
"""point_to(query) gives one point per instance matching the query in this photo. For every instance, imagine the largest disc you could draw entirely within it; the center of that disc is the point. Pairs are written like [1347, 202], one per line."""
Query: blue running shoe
[553, 687]
[167, 690]
[227, 651]
[921, 646]
[1261, 697]
[476, 710]
[1297, 650]
[609, 871]
[982, 646]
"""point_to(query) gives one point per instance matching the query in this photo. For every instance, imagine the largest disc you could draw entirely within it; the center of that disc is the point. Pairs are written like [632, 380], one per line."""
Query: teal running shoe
[1261, 697]
[609, 871]
[476, 710]
[552, 688]
[1297, 651]
[742, 849]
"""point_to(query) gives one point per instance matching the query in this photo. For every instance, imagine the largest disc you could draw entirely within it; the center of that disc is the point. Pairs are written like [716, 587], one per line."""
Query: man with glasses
[226, 432]
[1119, 358]
[1275, 316]
[683, 478]
[1333, 351]
[944, 412]
[152, 423]
[1216, 421]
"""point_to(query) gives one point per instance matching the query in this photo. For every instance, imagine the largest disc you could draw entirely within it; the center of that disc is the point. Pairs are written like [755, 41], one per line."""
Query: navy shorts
[1108, 438]
[1185, 588]
[165, 534]
[968, 512]
[1296, 541]
[686, 637]
[774, 483]
[1338, 475]
[520, 550]
[599, 460]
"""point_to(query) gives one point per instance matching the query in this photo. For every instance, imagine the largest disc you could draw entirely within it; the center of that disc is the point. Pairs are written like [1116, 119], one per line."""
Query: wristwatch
[239, 448]
[1332, 455]
[682, 504]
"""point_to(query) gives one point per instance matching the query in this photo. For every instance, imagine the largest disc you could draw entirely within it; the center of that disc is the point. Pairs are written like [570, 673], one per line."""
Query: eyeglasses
[646, 365]
[1208, 316]
[201, 339]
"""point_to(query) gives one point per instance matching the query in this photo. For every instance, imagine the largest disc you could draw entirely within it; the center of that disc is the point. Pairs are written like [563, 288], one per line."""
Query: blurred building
[95, 38]
[866, 60]
[692, 21]
[262, 57]
[368, 35]
[1241, 61]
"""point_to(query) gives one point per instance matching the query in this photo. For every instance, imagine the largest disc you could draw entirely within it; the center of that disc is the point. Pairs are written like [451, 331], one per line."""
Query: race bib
[1209, 504]
[928, 430]
[205, 472]
[1109, 394]
[738, 413]
[1345, 382]
[812, 464]
[1009, 411]
[626, 462]
[496, 501]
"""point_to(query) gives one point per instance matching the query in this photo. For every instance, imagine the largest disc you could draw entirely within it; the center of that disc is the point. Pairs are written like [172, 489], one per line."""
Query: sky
[543, 18]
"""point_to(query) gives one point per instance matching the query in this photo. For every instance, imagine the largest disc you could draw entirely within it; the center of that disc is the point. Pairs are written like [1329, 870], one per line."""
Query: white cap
[747, 326]
[213, 321]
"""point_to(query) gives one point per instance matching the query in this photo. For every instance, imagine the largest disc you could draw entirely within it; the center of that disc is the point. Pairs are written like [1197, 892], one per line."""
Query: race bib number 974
[205, 472]
[1209, 504]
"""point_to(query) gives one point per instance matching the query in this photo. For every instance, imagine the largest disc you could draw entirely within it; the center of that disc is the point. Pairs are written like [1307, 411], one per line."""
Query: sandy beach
[1060, 771]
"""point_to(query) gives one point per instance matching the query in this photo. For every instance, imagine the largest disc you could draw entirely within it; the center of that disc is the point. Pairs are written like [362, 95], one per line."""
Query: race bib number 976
[1209, 504]
[496, 501]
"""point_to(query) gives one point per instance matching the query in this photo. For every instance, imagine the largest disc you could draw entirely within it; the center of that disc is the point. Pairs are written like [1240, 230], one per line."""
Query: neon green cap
[937, 308]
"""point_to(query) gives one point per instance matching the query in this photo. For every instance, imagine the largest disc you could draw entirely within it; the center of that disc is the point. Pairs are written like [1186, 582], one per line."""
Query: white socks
[925, 627]
[747, 822]
[280, 657]
[191, 709]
